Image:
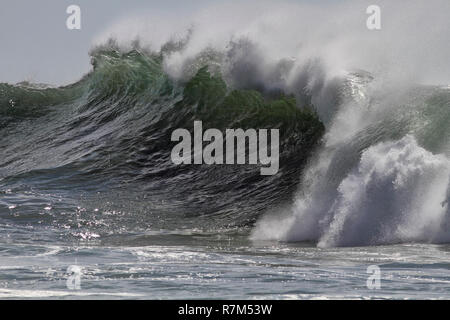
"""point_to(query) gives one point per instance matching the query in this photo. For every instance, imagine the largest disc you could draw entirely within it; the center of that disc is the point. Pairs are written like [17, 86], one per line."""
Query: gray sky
[36, 45]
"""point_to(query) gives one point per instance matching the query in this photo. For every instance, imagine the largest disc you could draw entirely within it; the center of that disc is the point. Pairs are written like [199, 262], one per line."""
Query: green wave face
[112, 130]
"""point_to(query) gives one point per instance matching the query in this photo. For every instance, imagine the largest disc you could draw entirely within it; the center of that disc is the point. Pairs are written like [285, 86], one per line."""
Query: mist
[411, 46]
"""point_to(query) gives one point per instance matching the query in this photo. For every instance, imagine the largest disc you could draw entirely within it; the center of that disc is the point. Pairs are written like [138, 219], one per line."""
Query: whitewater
[87, 184]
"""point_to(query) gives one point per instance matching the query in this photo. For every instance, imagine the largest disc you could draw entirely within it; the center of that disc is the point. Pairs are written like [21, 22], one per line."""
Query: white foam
[396, 193]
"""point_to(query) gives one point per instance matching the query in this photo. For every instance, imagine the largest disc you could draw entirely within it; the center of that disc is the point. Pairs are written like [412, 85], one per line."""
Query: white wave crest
[397, 193]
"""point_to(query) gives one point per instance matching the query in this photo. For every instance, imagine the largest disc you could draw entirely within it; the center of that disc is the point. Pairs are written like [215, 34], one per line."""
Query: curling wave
[108, 137]
[364, 150]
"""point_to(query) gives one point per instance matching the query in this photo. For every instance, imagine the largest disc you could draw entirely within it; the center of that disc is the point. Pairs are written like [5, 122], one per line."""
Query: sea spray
[382, 175]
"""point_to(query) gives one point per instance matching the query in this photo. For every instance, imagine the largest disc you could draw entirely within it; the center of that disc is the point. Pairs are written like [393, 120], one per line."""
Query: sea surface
[91, 205]
[192, 265]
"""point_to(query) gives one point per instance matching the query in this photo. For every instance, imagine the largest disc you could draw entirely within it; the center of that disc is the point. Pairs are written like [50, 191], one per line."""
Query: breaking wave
[365, 149]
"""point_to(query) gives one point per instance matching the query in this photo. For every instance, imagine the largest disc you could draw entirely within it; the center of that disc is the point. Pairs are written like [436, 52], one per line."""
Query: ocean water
[92, 207]
[191, 265]
[124, 230]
